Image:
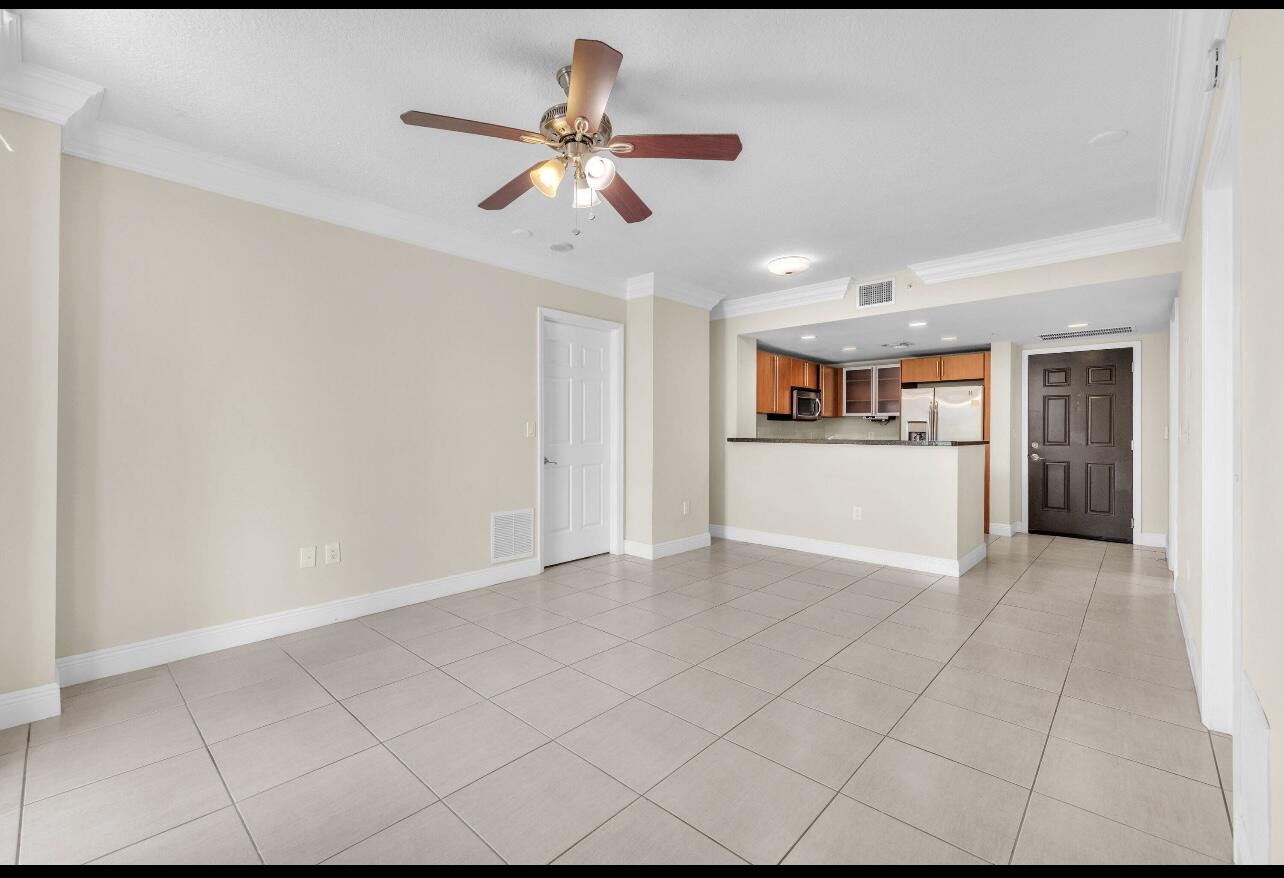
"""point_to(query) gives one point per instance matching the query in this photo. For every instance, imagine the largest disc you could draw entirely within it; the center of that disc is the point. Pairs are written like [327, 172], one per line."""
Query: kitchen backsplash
[828, 428]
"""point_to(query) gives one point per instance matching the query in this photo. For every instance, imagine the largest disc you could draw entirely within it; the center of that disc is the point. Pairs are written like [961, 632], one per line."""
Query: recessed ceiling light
[787, 265]
[949, 338]
[917, 323]
[808, 338]
[521, 233]
[850, 348]
[562, 247]
[1107, 137]
[1077, 326]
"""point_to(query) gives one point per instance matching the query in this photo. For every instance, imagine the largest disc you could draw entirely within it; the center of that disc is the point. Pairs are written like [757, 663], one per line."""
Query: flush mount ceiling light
[1077, 326]
[949, 338]
[850, 348]
[561, 247]
[1108, 137]
[579, 131]
[917, 323]
[787, 265]
[808, 338]
[521, 233]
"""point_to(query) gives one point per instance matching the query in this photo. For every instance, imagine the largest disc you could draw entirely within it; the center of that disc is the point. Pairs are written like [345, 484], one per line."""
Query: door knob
[551, 462]
[1035, 457]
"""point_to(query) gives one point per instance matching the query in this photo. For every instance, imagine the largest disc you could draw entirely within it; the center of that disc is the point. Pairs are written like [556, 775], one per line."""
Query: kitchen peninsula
[916, 505]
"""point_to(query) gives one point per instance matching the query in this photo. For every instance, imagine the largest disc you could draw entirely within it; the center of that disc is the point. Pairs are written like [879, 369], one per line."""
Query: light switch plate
[332, 553]
[308, 556]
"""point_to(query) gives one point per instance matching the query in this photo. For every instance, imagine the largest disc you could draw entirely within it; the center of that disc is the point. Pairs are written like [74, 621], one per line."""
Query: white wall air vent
[512, 535]
[881, 292]
[1087, 333]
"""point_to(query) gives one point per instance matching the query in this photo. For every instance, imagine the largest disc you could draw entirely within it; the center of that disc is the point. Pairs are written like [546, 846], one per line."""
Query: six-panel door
[1080, 444]
[577, 443]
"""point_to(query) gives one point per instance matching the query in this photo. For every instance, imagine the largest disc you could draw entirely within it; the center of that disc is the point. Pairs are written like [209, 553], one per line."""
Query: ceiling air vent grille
[511, 535]
[882, 292]
[1087, 333]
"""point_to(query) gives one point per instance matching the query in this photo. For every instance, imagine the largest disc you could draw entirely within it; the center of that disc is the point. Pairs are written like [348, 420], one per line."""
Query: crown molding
[138, 151]
[1193, 32]
[668, 287]
[1189, 106]
[811, 294]
[34, 90]
[1046, 251]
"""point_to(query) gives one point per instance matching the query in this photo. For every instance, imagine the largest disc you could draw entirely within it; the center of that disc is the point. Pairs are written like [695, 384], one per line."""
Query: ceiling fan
[579, 131]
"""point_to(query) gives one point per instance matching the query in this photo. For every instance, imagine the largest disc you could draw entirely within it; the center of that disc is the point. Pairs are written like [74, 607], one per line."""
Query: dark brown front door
[1080, 453]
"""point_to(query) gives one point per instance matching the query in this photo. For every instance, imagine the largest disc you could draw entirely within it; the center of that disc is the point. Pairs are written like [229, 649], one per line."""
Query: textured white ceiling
[1143, 303]
[871, 139]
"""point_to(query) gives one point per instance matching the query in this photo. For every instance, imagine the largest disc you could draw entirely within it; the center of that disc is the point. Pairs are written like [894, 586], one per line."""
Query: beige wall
[238, 382]
[29, 210]
[667, 421]
[923, 501]
[1254, 45]
[681, 421]
[639, 419]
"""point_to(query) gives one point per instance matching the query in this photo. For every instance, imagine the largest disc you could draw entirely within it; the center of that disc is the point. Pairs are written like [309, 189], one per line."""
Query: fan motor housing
[556, 126]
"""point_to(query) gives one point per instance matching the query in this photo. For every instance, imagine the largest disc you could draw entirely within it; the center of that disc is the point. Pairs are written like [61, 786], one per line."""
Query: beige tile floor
[736, 703]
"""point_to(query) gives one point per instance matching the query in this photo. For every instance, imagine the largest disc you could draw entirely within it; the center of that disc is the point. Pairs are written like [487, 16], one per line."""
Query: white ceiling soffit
[1194, 33]
[824, 291]
[185, 102]
[1144, 303]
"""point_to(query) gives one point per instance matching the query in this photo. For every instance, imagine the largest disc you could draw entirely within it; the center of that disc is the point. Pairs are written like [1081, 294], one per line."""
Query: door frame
[1026, 353]
[615, 409]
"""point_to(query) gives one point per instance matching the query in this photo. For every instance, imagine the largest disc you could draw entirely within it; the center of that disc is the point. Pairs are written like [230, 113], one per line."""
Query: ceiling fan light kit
[580, 132]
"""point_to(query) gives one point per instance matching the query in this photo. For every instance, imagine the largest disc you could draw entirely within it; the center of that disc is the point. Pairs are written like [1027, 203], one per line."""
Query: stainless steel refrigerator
[943, 412]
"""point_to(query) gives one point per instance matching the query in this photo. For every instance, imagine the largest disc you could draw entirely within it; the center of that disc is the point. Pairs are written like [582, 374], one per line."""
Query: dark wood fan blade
[712, 147]
[509, 192]
[625, 201]
[593, 70]
[466, 126]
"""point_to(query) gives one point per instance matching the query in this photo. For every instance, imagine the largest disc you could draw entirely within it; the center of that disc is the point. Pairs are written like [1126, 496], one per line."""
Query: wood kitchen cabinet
[831, 392]
[963, 367]
[777, 375]
[920, 369]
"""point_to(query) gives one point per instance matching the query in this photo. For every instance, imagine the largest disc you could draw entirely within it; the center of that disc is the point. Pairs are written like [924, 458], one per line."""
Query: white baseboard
[29, 705]
[1192, 649]
[172, 647]
[663, 550]
[1157, 541]
[1000, 529]
[921, 563]
[1252, 778]
[1018, 527]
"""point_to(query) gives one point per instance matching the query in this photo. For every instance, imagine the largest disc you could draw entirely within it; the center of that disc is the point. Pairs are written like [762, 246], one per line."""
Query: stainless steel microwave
[805, 404]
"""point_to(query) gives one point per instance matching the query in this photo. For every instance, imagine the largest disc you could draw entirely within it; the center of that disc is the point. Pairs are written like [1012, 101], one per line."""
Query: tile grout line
[1016, 839]
[209, 754]
[22, 795]
[380, 743]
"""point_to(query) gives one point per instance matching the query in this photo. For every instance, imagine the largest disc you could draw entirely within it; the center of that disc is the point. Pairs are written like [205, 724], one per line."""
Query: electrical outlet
[332, 553]
[686, 507]
[308, 556]
[856, 513]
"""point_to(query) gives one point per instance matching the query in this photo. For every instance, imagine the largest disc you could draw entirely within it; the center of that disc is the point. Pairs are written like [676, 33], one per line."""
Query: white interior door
[577, 442]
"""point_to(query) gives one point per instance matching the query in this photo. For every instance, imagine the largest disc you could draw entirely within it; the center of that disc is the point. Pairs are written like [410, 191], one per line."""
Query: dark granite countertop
[936, 443]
